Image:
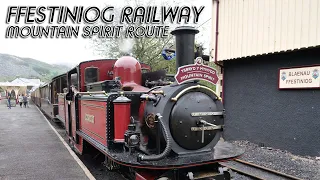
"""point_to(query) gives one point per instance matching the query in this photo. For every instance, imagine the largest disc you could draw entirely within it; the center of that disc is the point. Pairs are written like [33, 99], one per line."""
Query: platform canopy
[19, 85]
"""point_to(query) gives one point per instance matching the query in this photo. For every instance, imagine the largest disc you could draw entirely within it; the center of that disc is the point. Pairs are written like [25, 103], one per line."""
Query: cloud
[67, 51]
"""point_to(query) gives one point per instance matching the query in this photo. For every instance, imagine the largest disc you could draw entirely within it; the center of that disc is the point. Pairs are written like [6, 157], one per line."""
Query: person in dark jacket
[9, 104]
[25, 101]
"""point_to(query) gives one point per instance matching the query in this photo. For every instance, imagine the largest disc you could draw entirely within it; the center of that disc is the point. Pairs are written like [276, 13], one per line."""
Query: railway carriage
[35, 97]
[47, 95]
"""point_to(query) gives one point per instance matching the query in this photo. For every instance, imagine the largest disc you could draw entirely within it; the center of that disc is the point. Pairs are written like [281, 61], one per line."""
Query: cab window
[91, 75]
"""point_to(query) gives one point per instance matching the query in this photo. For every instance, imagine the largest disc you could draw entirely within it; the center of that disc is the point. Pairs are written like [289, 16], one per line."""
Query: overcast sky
[73, 51]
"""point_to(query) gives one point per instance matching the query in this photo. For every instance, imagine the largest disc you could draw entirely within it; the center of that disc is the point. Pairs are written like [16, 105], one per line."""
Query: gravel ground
[237, 176]
[300, 166]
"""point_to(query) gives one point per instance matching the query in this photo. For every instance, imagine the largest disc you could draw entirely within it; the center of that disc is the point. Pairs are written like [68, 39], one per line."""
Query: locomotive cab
[127, 76]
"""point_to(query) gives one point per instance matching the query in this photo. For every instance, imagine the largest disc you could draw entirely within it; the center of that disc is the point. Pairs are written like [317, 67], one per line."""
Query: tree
[146, 50]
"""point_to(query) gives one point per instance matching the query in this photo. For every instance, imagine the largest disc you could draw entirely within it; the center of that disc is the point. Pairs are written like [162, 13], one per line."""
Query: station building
[268, 57]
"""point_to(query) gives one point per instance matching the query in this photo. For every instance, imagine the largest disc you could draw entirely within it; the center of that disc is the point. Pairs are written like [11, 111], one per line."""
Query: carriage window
[91, 75]
[54, 91]
[74, 80]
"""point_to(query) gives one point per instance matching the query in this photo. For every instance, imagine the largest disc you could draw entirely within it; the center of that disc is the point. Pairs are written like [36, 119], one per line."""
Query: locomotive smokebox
[185, 37]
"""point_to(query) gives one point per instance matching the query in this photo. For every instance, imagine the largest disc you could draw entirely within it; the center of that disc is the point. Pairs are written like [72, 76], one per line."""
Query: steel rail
[260, 168]
[268, 169]
[242, 172]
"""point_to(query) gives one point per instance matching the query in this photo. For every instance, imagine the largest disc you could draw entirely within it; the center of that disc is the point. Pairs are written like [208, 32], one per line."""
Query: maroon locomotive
[168, 131]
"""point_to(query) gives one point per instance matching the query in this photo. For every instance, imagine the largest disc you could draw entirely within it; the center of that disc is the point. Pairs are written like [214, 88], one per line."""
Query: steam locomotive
[141, 122]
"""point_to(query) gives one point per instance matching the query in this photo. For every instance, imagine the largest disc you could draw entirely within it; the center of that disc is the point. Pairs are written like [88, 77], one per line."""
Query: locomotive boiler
[145, 125]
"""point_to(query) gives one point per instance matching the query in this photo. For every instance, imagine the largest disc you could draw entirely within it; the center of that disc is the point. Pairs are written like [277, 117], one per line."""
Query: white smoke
[126, 46]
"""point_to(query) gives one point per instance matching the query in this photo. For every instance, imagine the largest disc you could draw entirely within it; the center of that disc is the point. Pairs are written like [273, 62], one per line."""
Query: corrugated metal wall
[254, 27]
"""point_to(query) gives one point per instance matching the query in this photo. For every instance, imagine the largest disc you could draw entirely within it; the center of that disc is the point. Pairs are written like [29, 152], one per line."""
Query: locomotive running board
[224, 151]
[92, 141]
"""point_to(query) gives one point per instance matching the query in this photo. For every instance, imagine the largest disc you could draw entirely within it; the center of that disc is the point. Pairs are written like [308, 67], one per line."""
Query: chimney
[185, 36]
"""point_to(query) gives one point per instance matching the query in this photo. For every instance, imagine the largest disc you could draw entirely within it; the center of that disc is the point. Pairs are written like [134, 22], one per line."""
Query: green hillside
[12, 67]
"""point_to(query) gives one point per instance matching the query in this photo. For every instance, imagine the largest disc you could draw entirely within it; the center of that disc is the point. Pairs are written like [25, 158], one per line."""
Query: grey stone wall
[261, 113]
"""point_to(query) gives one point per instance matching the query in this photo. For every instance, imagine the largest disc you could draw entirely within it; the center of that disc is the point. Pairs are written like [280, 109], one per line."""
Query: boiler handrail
[90, 93]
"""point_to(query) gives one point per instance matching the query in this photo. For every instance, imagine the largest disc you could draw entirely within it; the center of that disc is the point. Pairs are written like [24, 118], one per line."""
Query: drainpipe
[216, 46]
[217, 33]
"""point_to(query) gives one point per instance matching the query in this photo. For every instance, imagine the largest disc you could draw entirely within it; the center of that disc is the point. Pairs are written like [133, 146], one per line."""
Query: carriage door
[70, 98]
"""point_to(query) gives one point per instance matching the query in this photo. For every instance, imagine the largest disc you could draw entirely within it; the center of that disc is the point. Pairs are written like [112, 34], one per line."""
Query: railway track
[255, 171]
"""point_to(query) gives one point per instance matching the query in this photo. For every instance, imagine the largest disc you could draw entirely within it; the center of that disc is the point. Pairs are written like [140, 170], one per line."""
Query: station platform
[31, 149]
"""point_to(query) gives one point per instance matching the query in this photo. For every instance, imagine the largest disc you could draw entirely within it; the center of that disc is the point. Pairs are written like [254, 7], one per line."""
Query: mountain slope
[12, 67]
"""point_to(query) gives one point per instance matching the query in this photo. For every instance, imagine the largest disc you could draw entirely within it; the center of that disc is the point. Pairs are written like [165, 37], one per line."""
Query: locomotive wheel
[111, 165]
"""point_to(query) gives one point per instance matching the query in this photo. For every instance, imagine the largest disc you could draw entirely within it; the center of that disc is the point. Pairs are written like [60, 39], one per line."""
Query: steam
[126, 46]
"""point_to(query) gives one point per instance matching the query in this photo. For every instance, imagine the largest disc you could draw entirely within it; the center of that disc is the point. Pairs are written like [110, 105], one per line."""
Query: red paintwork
[105, 66]
[199, 72]
[80, 145]
[122, 113]
[144, 176]
[97, 129]
[129, 69]
[148, 174]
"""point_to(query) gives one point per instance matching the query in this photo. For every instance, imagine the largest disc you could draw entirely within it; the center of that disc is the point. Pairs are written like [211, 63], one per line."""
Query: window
[91, 75]
[74, 80]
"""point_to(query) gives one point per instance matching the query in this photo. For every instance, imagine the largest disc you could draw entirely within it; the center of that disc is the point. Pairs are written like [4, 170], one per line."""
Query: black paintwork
[181, 120]
[164, 107]
[184, 45]
[198, 53]
[77, 117]
[107, 86]
[222, 151]
[153, 76]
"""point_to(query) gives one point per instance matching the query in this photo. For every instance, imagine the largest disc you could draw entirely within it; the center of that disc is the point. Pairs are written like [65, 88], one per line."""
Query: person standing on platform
[25, 101]
[20, 100]
[9, 104]
[28, 101]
